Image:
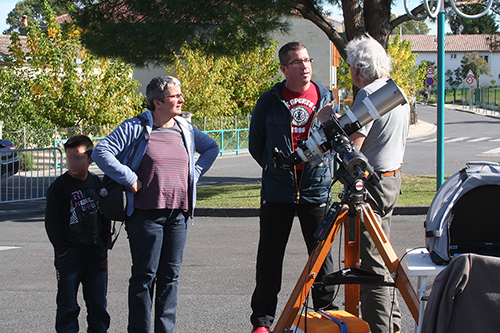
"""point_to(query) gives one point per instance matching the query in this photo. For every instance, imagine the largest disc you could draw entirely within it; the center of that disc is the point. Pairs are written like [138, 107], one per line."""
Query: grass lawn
[417, 191]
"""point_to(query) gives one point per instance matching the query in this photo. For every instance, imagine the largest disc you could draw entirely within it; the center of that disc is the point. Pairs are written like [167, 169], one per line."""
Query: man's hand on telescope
[280, 160]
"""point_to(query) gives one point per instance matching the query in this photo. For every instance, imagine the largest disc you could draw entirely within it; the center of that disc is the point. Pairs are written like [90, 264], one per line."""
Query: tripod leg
[309, 274]
[391, 260]
[351, 260]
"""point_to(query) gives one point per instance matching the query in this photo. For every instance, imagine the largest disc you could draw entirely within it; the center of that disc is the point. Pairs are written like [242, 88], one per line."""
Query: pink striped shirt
[164, 171]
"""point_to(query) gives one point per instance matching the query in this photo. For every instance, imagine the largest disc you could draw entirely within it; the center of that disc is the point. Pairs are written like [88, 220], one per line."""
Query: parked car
[8, 157]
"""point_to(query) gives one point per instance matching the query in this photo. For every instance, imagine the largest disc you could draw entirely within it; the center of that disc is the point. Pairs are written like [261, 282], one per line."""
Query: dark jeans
[157, 239]
[275, 225]
[90, 268]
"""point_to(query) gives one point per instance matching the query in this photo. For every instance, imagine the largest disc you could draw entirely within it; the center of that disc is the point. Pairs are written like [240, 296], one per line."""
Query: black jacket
[71, 215]
[270, 127]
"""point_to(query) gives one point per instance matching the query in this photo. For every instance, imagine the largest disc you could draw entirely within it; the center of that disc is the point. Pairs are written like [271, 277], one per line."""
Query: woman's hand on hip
[137, 186]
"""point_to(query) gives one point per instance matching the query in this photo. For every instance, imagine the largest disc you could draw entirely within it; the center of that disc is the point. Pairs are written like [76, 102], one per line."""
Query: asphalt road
[216, 281]
[468, 137]
[217, 277]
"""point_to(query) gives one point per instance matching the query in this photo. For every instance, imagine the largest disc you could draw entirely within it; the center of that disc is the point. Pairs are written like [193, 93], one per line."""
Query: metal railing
[229, 141]
[38, 168]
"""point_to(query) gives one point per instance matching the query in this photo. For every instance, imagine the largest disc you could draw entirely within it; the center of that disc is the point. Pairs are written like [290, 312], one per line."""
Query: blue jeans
[157, 239]
[90, 268]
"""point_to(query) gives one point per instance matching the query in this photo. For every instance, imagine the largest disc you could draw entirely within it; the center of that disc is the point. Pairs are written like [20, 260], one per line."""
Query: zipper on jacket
[297, 185]
[294, 169]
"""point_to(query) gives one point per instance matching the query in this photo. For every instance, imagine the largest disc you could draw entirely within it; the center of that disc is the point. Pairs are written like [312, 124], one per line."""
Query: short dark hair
[157, 88]
[292, 46]
[80, 140]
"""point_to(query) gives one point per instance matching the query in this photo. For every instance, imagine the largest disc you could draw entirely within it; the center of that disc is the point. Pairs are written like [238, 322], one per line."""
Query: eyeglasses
[178, 96]
[298, 63]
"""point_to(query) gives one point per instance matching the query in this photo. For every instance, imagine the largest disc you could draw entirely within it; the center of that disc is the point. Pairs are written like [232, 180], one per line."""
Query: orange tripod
[340, 215]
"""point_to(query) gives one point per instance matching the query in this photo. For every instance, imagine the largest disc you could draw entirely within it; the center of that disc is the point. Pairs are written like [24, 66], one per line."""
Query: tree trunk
[353, 19]
[377, 14]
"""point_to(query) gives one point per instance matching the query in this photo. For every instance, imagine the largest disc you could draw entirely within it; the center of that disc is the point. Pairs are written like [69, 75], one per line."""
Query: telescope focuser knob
[301, 143]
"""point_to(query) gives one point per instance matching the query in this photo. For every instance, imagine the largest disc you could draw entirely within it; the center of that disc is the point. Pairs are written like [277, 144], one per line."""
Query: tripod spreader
[354, 276]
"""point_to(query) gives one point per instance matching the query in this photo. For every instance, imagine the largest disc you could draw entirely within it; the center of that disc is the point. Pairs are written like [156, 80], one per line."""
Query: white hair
[369, 56]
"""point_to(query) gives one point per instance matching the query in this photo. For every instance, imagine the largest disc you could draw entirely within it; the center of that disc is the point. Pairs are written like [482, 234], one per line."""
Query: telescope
[334, 133]
[358, 179]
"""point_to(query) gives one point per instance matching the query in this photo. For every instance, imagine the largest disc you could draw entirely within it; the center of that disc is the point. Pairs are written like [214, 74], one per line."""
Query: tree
[454, 78]
[33, 10]
[344, 75]
[404, 72]
[422, 73]
[223, 85]
[152, 31]
[58, 82]
[145, 31]
[495, 8]
[473, 62]
[410, 28]
[484, 25]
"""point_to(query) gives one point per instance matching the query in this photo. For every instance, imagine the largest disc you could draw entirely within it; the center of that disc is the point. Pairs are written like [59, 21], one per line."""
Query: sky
[7, 5]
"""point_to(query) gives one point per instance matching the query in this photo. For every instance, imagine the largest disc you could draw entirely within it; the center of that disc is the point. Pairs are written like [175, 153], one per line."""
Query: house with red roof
[456, 47]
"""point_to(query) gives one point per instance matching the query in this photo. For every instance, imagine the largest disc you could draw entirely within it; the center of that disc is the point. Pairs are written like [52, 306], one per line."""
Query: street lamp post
[438, 11]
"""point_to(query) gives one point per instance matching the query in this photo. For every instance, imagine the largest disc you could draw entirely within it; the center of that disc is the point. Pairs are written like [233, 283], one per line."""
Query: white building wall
[453, 62]
[318, 46]
[302, 30]
[145, 74]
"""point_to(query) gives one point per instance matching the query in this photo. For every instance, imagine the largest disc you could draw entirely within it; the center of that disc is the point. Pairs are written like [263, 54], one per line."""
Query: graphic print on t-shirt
[83, 218]
[302, 106]
[300, 115]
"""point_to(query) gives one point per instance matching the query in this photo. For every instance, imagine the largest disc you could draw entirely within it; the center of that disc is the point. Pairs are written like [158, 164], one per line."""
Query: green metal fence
[233, 141]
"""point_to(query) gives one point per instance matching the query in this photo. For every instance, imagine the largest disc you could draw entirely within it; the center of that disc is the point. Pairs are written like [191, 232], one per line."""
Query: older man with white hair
[383, 143]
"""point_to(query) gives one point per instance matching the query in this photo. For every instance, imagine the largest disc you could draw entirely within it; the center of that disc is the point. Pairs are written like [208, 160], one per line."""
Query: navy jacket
[270, 127]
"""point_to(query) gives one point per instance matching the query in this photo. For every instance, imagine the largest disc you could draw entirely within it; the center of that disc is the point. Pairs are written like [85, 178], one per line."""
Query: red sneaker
[261, 330]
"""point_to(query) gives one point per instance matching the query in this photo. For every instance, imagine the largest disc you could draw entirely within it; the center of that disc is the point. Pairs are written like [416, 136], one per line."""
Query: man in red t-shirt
[302, 106]
[281, 116]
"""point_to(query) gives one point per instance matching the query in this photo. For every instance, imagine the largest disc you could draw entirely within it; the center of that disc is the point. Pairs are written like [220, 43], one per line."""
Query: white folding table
[420, 264]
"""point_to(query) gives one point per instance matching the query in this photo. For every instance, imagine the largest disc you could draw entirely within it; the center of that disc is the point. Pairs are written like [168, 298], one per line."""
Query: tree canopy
[145, 31]
[224, 85]
[473, 62]
[55, 81]
[483, 25]
[411, 27]
[33, 10]
[152, 31]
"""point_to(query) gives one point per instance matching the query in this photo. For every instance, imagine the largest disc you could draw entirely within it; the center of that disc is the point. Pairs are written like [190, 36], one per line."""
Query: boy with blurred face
[80, 235]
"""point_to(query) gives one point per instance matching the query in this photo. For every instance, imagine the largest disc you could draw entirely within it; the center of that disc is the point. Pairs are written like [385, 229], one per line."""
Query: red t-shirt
[302, 106]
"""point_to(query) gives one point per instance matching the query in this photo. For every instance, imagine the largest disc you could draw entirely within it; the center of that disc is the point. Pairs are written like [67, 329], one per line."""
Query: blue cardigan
[113, 153]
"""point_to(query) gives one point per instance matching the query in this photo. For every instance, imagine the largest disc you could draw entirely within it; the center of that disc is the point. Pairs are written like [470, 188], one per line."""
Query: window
[453, 56]
[485, 57]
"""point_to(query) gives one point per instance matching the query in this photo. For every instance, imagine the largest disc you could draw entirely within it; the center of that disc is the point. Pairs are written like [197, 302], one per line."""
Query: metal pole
[440, 98]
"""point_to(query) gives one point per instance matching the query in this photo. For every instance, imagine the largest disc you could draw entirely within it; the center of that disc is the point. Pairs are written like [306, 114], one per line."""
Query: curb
[254, 212]
[207, 212]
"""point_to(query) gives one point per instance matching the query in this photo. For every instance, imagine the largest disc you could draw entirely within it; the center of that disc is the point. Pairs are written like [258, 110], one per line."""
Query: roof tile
[453, 43]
